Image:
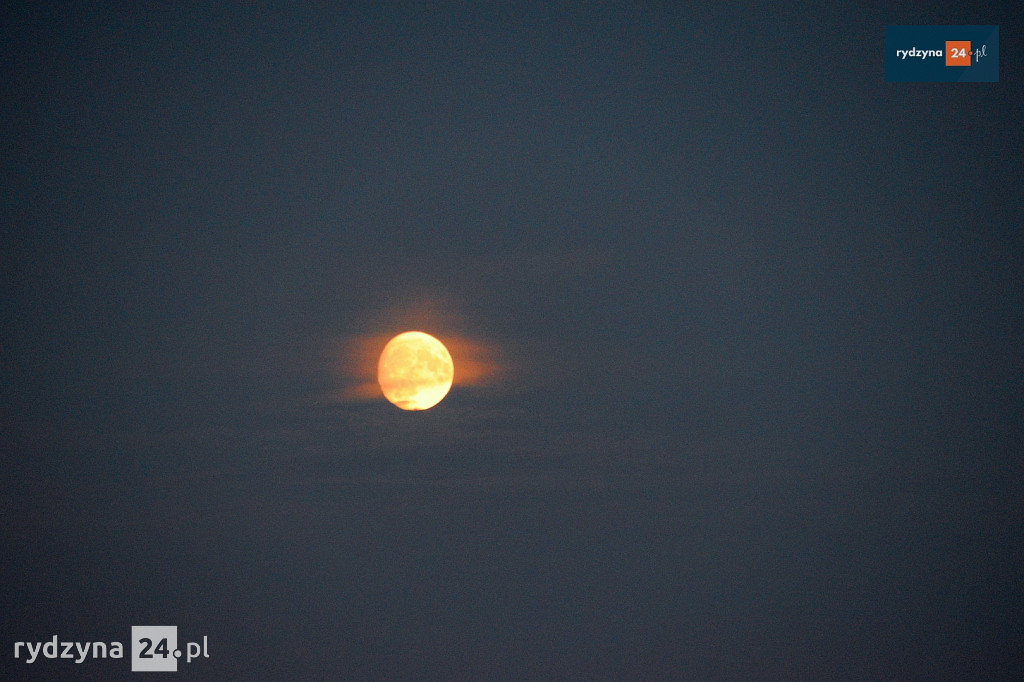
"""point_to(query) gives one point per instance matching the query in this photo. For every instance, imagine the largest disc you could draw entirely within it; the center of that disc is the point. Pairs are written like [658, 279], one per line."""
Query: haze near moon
[415, 371]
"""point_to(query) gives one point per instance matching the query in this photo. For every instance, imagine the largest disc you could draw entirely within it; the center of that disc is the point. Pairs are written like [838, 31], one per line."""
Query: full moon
[415, 371]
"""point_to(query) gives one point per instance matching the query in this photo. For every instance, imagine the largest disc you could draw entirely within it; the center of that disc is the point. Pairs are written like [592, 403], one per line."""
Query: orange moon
[415, 371]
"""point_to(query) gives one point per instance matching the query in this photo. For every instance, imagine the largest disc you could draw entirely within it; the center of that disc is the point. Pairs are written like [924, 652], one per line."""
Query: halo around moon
[415, 371]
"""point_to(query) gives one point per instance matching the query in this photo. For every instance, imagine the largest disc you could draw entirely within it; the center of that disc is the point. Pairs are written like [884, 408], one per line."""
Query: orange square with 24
[958, 53]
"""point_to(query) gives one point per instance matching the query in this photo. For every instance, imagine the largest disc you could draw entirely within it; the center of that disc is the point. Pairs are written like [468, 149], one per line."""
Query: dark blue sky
[740, 326]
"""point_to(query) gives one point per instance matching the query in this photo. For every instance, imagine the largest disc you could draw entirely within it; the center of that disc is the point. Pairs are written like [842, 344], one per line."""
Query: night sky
[738, 331]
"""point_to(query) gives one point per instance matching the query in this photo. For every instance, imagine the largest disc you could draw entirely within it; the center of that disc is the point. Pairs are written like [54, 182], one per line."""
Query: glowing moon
[415, 371]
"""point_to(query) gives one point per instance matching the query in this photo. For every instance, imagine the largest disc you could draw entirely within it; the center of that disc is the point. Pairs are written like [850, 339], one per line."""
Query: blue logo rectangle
[942, 54]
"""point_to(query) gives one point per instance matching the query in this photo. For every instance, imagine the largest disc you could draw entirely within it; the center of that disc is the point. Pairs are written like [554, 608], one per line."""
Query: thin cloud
[478, 364]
